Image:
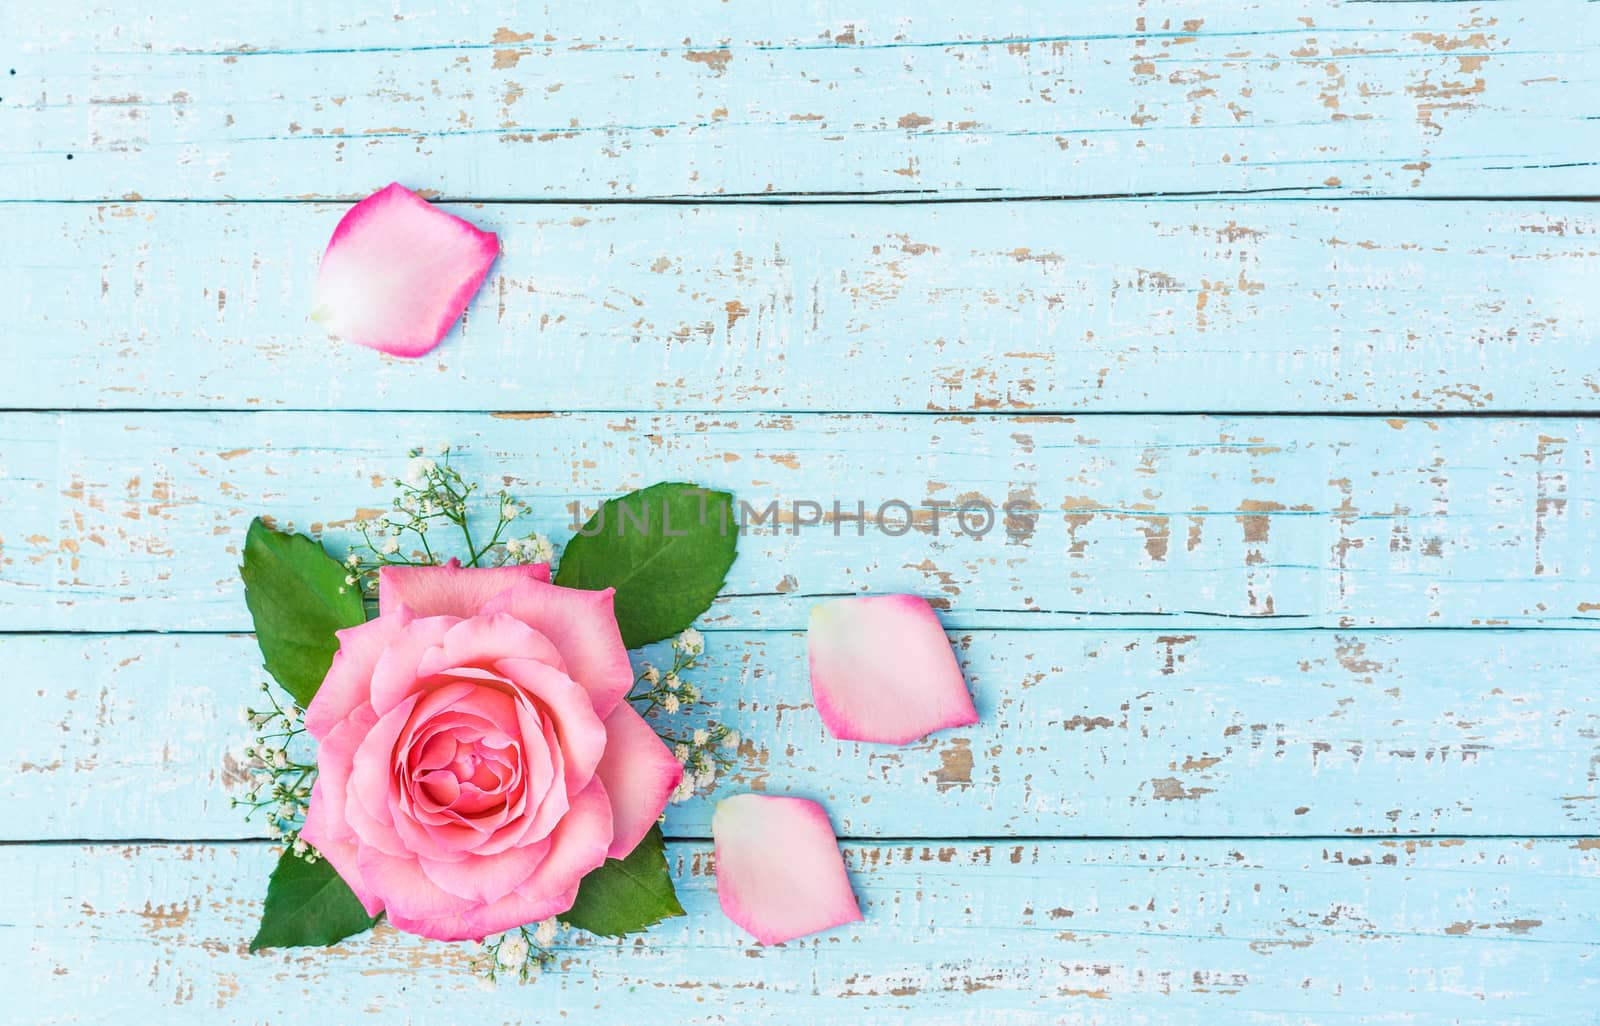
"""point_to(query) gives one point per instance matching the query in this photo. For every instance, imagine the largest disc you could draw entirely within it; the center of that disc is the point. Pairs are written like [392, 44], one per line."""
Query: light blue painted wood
[1083, 733]
[1149, 527]
[1477, 932]
[1056, 306]
[954, 98]
[134, 521]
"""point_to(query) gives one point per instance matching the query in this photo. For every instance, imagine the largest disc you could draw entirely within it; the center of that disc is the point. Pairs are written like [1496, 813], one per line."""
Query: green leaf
[298, 598]
[308, 904]
[627, 895]
[666, 549]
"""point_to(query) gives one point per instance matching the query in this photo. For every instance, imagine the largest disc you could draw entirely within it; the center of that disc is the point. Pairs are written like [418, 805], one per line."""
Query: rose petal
[399, 271]
[406, 889]
[326, 829]
[348, 682]
[452, 589]
[583, 626]
[779, 871]
[394, 676]
[480, 641]
[580, 734]
[882, 670]
[486, 878]
[639, 773]
[577, 847]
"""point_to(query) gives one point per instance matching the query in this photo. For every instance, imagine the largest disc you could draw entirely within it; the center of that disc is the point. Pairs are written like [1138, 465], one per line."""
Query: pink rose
[477, 757]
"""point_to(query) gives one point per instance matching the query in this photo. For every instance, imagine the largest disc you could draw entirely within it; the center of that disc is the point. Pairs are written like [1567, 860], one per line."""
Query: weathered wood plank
[1084, 733]
[1164, 307]
[699, 99]
[1416, 932]
[134, 521]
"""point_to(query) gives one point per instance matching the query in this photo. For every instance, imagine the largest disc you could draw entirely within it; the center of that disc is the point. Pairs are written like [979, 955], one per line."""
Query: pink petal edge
[779, 872]
[882, 670]
[639, 773]
[398, 272]
[451, 589]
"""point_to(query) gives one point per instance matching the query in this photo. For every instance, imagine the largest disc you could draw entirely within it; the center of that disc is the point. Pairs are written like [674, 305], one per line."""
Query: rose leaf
[665, 548]
[308, 904]
[627, 895]
[298, 599]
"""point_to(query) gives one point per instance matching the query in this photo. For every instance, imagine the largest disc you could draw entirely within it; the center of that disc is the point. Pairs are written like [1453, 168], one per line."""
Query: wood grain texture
[1167, 306]
[134, 521]
[700, 99]
[958, 934]
[1083, 733]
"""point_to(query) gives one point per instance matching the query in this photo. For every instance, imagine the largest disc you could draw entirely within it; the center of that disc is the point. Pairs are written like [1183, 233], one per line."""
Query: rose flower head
[476, 755]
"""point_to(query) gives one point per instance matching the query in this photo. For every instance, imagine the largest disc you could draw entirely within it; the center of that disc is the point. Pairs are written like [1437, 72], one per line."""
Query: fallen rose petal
[779, 871]
[398, 272]
[882, 670]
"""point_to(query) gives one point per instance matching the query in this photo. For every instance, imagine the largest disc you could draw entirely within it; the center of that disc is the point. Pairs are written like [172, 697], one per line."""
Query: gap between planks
[843, 199]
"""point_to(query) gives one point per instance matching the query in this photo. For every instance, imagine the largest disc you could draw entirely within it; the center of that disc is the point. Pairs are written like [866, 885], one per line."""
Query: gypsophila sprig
[521, 954]
[279, 783]
[432, 494]
[704, 752]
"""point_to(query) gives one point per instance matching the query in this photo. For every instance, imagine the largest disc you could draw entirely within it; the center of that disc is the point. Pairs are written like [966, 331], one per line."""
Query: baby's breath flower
[690, 642]
[522, 951]
[418, 469]
[513, 950]
[681, 752]
[651, 674]
[670, 703]
[539, 549]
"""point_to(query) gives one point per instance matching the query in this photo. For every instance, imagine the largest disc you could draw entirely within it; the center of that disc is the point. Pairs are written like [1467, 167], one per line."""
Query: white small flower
[418, 469]
[280, 759]
[350, 579]
[513, 950]
[353, 560]
[443, 448]
[684, 790]
[652, 676]
[731, 740]
[690, 693]
[514, 548]
[293, 715]
[681, 753]
[539, 548]
[690, 642]
[274, 831]
[545, 935]
[299, 847]
[706, 779]
[670, 703]
[508, 510]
